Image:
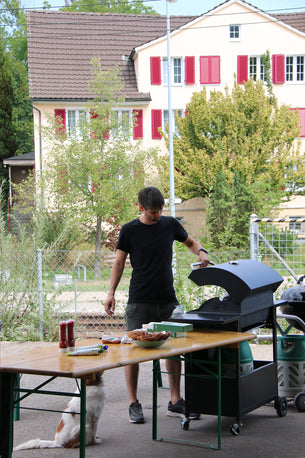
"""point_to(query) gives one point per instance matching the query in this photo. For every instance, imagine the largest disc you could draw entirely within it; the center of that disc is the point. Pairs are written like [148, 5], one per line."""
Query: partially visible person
[149, 240]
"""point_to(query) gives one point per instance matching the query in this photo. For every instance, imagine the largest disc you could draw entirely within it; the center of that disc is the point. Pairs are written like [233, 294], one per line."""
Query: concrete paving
[263, 434]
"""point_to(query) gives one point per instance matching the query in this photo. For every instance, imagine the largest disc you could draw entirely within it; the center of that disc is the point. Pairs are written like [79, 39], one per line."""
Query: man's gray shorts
[138, 314]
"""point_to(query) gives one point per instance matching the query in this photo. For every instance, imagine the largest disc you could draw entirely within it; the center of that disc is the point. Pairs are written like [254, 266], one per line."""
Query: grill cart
[291, 347]
[249, 304]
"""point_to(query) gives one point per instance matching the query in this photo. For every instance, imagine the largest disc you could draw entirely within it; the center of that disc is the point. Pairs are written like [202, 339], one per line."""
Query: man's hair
[151, 198]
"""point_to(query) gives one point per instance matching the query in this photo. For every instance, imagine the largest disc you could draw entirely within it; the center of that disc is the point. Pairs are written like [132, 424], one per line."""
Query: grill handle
[196, 265]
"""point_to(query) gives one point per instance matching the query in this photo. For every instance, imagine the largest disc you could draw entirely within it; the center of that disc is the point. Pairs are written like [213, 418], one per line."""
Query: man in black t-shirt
[148, 240]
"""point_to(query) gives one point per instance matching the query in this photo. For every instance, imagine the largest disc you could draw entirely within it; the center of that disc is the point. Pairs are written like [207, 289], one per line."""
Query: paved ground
[263, 434]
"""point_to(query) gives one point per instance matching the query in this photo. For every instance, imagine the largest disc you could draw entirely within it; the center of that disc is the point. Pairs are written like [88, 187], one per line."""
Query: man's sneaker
[179, 409]
[136, 413]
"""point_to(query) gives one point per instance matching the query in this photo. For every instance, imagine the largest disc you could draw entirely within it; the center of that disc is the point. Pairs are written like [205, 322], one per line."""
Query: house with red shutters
[208, 51]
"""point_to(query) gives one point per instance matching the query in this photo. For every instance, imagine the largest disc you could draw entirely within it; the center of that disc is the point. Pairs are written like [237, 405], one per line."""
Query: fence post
[40, 301]
[253, 237]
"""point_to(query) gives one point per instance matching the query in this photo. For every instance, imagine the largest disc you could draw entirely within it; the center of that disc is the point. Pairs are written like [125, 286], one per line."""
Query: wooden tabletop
[48, 361]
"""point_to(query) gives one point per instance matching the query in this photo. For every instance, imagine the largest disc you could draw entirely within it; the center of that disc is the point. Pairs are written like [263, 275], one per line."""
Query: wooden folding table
[49, 362]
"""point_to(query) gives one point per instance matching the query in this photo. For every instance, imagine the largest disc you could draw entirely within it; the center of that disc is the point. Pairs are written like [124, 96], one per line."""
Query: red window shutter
[93, 116]
[190, 70]
[209, 69]
[155, 70]
[242, 69]
[138, 124]
[302, 120]
[156, 122]
[204, 70]
[278, 68]
[60, 121]
[215, 69]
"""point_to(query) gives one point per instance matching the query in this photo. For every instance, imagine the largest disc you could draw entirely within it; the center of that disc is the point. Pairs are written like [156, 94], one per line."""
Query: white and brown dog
[68, 431]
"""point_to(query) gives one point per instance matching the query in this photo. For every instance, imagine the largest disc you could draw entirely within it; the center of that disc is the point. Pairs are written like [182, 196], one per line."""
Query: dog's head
[94, 379]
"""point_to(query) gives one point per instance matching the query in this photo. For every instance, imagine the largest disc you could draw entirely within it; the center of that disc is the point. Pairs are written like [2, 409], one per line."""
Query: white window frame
[235, 31]
[164, 71]
[77, 134]
[294, 71]
[120, 111]
[296, 227]
[165, 119]
[260, 69]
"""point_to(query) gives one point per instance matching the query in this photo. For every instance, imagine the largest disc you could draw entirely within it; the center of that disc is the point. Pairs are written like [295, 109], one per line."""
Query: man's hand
[203, 258]
[109, 305]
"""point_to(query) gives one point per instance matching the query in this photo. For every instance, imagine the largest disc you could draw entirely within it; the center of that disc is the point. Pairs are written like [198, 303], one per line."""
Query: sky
[195, 7]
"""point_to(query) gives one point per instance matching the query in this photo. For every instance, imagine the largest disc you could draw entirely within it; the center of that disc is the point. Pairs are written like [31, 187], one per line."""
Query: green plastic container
[291, 364]
[228, 360]
[291, 348]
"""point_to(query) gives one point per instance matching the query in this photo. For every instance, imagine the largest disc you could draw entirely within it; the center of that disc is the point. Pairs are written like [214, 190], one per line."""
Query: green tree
[109, 6]
[245, 136]
[95, 174]
[13, 20]
[7, 138]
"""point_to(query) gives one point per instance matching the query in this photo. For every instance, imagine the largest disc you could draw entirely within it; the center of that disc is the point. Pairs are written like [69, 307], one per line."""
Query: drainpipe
[40, 148]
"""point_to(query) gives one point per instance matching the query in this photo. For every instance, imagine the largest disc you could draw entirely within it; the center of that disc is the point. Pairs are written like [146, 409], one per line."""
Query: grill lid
[239, 278]
[295, 293]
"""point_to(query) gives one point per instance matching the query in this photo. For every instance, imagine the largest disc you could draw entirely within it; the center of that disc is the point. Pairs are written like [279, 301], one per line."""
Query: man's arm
[194, 247]
[116, 275]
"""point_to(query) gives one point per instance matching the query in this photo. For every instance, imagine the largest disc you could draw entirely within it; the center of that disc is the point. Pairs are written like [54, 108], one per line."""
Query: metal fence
[280, 243]
[38, 288]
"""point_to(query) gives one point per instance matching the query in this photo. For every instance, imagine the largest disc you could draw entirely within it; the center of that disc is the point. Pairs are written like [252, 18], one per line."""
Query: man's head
[150, 198]
[151, 204]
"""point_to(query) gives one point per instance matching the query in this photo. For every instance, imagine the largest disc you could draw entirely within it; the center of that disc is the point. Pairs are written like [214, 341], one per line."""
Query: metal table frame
[205, 365]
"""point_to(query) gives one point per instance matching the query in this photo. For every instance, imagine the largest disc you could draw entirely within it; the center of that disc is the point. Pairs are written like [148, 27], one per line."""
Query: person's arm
[195, 247]
[116, 275]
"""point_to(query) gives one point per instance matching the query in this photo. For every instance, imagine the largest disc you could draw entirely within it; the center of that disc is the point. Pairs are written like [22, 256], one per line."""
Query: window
[72, 122]
[295, 68]
[256, 68]
[252, 66]
[166, 119]
[176, 70]
[234, 32]
[296, 226]
[76, 119]
[159, 119]
[121, 123]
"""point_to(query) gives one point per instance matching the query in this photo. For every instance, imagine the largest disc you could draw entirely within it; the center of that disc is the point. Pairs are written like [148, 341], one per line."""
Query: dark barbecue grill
[295, 304]
[249, 304]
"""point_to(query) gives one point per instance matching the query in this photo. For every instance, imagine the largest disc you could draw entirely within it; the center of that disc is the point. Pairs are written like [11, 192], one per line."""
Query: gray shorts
[138, 314]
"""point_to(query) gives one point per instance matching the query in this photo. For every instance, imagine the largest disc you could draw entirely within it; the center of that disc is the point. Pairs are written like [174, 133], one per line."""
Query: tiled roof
[296, 20]
[61, 45]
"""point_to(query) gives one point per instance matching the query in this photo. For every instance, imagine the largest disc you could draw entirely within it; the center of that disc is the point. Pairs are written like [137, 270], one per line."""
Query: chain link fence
[39, 288]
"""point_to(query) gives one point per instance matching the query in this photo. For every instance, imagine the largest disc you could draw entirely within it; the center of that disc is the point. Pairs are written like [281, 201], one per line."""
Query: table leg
[156, 373]
[82, 445]
[219, 396]
[6, 414]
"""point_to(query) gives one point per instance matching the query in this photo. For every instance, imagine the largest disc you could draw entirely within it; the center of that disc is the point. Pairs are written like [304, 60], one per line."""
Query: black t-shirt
[150, 250]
